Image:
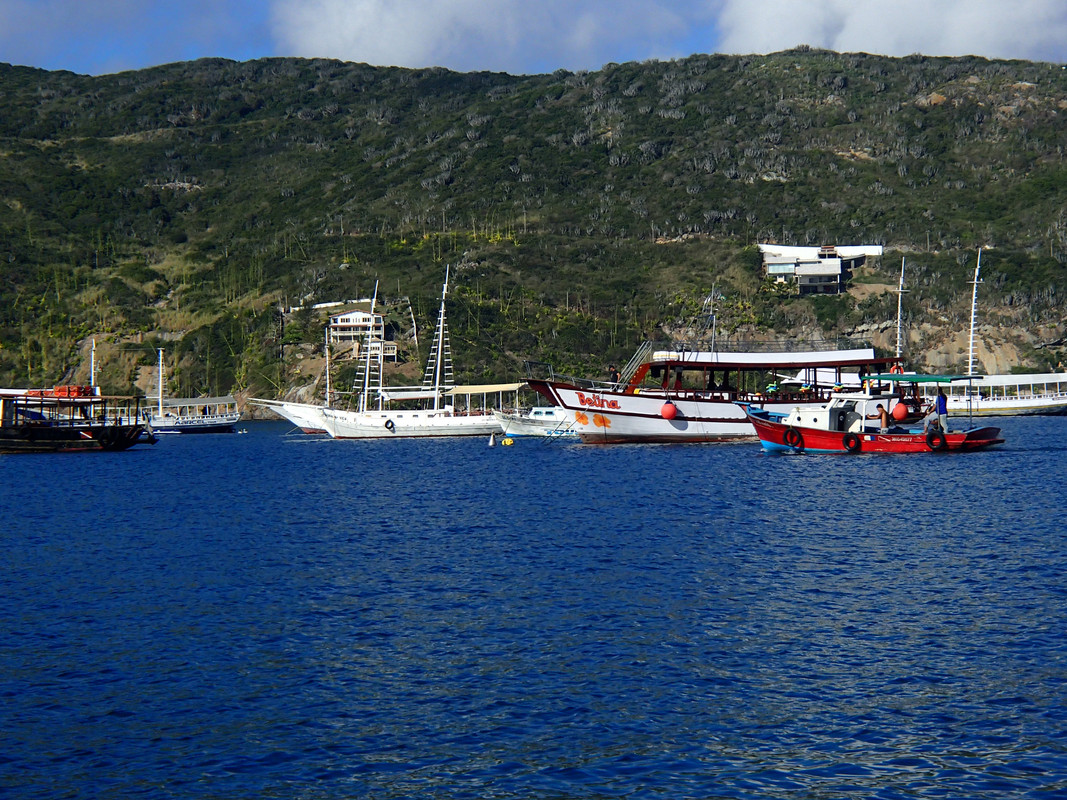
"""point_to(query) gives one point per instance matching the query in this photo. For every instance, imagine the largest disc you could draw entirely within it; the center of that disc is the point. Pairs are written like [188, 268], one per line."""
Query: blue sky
[517, 36]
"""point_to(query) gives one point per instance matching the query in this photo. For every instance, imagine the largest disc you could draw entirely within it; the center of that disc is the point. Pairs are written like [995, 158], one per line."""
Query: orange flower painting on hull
[581, 417]
[601, 421]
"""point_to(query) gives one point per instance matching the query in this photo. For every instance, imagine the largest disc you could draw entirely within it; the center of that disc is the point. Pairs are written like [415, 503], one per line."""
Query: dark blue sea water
[273, 616]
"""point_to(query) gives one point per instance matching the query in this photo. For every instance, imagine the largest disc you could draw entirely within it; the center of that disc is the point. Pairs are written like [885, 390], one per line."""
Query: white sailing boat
[376, 419]
[1003, 395]
[191, 414]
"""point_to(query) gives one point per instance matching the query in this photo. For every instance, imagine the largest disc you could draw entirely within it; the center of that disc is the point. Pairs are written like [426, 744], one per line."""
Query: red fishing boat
[873, 419]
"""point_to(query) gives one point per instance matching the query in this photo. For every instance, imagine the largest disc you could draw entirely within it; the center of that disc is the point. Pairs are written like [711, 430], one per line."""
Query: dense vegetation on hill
[182, 206]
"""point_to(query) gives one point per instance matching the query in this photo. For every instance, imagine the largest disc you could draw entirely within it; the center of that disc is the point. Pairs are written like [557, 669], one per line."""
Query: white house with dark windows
[815, 270]
[350, 328]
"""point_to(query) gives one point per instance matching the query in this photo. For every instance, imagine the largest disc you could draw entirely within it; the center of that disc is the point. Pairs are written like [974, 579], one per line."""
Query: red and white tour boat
[685, 395]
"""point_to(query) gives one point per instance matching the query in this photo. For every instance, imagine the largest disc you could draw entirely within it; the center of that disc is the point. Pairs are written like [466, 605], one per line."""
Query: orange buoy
[669, 410]
[900, 412]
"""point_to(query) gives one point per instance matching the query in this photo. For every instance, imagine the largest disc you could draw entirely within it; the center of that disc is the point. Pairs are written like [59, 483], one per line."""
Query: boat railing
[540, 370]
[643, 354]
[730, 345]
[52, 412]
[544, 371]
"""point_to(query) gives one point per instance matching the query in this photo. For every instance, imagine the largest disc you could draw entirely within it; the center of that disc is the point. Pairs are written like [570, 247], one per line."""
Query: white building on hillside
[351, 328]
[815, 270]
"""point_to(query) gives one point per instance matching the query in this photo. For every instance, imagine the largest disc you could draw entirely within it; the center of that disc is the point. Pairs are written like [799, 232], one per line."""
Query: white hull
[1009, 407]
[607, 417]
[1042, 394]
[406, 424]
[201, 423]
[551, 421]
[689, 395]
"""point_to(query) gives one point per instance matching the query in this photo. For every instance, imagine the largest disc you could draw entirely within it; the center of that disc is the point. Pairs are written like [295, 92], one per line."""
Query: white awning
[176, 402]
[485, 388]
[398, 393]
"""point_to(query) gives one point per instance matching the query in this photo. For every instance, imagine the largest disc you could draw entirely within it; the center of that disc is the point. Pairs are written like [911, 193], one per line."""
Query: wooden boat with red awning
[68, 419]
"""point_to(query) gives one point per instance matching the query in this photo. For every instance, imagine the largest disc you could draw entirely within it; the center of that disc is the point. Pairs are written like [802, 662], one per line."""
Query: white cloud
[1028, 29]
[517, 36]
[506, 35]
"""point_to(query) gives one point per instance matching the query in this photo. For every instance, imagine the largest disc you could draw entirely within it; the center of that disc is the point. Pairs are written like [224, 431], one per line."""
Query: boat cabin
[754, 377]
[844, 414]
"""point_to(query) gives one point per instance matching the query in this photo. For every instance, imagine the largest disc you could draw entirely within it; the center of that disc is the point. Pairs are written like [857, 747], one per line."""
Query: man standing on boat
[942, 409]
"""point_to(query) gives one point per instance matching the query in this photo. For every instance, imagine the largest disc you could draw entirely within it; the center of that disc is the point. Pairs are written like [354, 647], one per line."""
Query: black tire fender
[935, 440]
[793, 438]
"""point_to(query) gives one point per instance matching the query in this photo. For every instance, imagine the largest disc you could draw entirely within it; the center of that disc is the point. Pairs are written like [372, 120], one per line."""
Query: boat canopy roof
[913, 378]
[484, 388]
[769, 360]
[177, 402]
[1019, 379]
[398, 393]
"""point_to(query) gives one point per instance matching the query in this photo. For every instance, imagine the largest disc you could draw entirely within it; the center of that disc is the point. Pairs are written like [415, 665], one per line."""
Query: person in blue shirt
[942, 410]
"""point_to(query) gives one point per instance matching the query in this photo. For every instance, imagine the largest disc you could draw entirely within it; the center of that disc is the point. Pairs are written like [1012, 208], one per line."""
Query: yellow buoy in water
[507, 441]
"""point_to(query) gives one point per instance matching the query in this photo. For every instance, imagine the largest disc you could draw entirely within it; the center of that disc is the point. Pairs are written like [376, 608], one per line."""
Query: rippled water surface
[279, 616]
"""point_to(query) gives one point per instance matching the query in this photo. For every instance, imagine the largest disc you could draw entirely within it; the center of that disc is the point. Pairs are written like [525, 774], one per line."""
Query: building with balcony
[351, 328]
[815, 270]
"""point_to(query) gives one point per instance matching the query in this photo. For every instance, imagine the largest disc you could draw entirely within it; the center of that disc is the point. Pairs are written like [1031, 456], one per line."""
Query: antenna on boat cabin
[901, 291]
[709, 310]
[974, 307]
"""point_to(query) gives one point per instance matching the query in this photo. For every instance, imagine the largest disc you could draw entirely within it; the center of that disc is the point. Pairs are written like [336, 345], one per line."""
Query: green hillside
[183, 206]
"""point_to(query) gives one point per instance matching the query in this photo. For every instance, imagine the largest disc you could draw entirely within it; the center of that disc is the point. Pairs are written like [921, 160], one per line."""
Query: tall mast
[440, 345]
[159, 389]
[366, 363]
[900, 310]
[326, 347]
[92, 367]
[974, 308]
